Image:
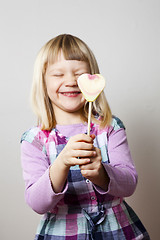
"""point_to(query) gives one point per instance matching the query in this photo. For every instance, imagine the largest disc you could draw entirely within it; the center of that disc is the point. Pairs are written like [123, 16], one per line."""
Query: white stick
[89, 117]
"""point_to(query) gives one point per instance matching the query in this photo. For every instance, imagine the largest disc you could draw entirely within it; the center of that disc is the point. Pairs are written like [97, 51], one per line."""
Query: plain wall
[125, 38]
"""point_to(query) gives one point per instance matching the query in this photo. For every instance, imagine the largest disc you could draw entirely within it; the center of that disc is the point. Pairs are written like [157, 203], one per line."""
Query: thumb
[92, 136]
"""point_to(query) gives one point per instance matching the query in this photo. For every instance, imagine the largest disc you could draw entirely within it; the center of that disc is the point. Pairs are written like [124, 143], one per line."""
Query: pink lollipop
[91, 86]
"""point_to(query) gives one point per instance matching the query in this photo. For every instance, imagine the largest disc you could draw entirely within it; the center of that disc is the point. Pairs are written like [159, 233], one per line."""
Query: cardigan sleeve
[121, 169]
[39, 193]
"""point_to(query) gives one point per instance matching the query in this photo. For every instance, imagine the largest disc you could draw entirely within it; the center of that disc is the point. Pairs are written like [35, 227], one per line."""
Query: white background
[125, 38]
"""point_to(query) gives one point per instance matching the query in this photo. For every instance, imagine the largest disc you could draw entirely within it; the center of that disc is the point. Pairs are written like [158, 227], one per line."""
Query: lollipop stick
[89, 117]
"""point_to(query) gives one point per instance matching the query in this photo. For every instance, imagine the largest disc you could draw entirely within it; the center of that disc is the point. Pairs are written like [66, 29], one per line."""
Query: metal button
[87, 181]
[93, 198]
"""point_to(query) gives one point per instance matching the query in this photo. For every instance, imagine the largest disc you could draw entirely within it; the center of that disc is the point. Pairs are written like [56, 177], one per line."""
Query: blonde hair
[73, 49]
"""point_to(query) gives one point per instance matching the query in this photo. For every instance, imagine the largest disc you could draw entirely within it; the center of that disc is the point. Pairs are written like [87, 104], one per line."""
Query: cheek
[51, 87]
[83, 99]
[50, 93]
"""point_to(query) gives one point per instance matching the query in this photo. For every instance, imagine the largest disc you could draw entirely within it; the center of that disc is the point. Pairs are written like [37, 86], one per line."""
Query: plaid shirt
[82, 210]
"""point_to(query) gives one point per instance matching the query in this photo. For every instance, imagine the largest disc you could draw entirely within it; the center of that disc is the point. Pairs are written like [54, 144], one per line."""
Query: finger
[84, 153]
[80, 161]
[98, 151]
[82, 137]
[88, 173]
[88, 166]
[92, 136]
[83, 146]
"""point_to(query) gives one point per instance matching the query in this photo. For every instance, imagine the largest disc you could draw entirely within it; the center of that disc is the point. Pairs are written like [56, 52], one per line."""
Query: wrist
[61, 164]
[58, 173]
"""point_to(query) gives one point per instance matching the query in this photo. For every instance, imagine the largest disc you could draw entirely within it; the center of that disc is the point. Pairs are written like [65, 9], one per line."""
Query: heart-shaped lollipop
[91, 85]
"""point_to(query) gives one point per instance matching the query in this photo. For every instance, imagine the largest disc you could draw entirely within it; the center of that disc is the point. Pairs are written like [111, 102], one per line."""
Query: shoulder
[116, 123]
[35, 136]
[32, 133]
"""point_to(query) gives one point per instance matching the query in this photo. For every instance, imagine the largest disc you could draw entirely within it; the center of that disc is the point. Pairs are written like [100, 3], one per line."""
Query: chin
[73, 110]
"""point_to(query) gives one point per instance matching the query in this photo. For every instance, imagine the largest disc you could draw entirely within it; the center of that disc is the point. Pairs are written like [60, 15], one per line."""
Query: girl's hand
[95, 172]
[78, 151]
[92, 169]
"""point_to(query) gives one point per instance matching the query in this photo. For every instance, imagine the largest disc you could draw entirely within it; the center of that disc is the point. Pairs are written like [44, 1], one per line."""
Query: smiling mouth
[70, 94]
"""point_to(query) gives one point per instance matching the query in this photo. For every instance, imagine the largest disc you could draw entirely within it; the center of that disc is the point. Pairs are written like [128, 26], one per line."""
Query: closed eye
[57, 75]
[79, 74]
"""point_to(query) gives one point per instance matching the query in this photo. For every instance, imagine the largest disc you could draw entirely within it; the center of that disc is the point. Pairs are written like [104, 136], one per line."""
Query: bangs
[72, 48]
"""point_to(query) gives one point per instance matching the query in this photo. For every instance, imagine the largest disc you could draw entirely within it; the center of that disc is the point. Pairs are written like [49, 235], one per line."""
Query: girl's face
[61, 82]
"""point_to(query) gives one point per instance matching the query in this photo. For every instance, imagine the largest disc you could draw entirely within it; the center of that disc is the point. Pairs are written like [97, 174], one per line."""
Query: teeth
[70, 94]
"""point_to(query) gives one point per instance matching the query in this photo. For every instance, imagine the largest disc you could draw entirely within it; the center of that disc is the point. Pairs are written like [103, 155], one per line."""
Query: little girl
[78, 182]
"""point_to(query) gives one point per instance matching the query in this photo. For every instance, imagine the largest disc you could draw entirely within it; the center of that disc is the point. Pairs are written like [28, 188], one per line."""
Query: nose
[71, 80]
